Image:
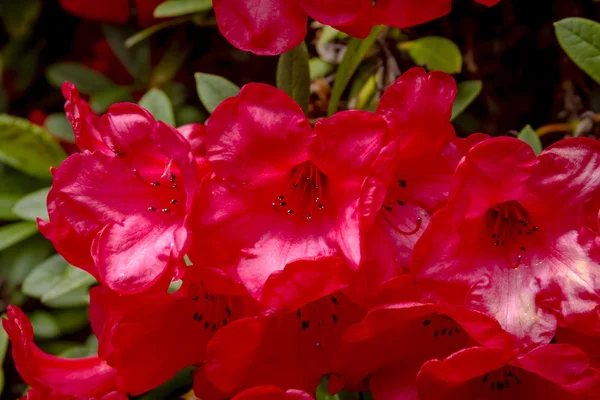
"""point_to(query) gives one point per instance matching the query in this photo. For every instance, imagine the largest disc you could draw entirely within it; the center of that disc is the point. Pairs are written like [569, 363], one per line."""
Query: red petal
[85, 377]
[407, 13]
[272, 393]
[257, 136]
[264, 27]
[335, 12]
[418, 107]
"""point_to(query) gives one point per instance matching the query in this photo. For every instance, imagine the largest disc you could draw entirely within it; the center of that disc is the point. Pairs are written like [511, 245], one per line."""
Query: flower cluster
[276, 26]
[377, 249]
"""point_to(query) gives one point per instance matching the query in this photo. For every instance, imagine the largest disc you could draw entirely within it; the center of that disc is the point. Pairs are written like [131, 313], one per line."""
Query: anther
[174, 186]
[400, 202]
[435, 335]
[298, 314]
[305, 325]
[388, 208]
[308, 216]
[402, 183]
[523, 248]
[282, 204]
[316, 199]
[206, 325]
[290, 211]
[444, 331]
[155, 183]
[295, 185]
[151, 209]
[173, 201]
[334, 300]
[166, 210]
[334, 318]
[321, 206]
[426, 322]
[280, 197]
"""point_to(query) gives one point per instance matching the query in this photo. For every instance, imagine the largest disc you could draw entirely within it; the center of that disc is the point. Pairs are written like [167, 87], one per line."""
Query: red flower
[126, 196]
[555, 371]
[417, 108]
[515, 239]
[55, 378]
[112, 11]
[390, 344]
[588, 343]
[287, 350]
[276, 26]
[288, 205]
[272, 393]
[149, 337]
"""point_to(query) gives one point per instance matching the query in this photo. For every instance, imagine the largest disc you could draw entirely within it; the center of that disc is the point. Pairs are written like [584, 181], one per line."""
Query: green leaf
[73, 279]
[293, 76]
[580, 39]
[75, 298]
[329, 34]
[28, 147]
[353, 56]
[102, 100]
[159, 105]
[318, 68]
[3, 347]
[85, 79]
[322, 393]
[71, 320]
[435, 53]
[19, 16]
[55, 278]
[529, 136]
[58, 125]
[13, 186]
[135, 58]
[44, 325]
[176, 8]
[33, 205]
[467, 93]
[213, 89]
[14, 233]
[17, 261]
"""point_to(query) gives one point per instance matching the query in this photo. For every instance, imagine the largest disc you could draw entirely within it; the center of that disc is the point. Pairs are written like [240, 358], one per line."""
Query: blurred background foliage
[511, 72]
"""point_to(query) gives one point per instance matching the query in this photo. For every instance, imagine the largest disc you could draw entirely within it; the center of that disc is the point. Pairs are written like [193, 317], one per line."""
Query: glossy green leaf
[15, 232]
[319, 68]
[33, 205]
[135, 58]
[322, 393]
[329, 34]
[73, 279]
[28, 147]
[293, 76]
[75, 298]
[55, 278]
[85, 79]
[177, 8]
[159, 105]
[580, 39]
[58, 125]
[467, 93]
[529, 136]
[19, 16]
[434, 53]
[354, 55]
[213, 89]
[13, 186]
[101, 101]
[44, 325]
[17, 261]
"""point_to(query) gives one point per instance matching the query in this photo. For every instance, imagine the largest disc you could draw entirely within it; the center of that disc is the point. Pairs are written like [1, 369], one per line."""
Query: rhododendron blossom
[276, 26]
[517, 237]
[303, 196]
[126, 196]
